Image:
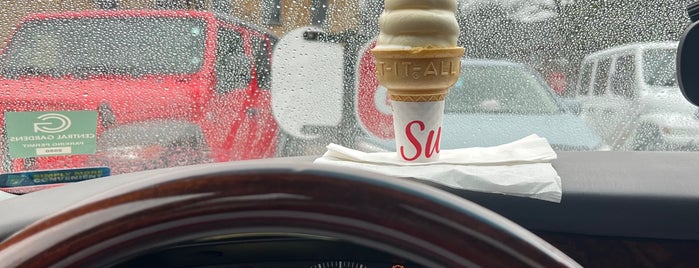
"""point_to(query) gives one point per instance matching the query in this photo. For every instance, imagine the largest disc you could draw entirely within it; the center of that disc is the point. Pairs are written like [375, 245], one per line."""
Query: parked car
[164, 84]
[629, 94]
[496, 102]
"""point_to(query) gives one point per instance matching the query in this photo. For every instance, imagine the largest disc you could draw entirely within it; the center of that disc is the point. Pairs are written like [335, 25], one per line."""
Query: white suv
[630, 96]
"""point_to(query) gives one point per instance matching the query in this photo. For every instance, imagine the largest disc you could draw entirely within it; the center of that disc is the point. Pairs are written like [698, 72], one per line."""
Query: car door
[596, 105]
[582, 90]
[586, 76]
[226, 122]
[259, 114]
[623, 98]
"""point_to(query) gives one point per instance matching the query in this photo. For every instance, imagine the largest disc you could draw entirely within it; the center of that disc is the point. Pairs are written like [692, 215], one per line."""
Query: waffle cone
[419, 74]
[419, 96]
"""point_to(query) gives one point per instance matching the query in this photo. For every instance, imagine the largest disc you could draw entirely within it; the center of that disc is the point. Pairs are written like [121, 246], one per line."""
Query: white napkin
[519, 168]
[5, 195]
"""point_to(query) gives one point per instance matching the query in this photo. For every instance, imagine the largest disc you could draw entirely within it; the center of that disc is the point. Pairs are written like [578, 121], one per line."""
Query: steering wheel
[405, 218]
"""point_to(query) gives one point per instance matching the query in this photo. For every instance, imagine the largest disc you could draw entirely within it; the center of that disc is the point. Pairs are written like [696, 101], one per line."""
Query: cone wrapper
[418, 71]
[418, 129]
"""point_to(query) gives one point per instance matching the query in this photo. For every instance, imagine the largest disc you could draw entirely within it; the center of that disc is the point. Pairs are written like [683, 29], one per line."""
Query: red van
[176, 87]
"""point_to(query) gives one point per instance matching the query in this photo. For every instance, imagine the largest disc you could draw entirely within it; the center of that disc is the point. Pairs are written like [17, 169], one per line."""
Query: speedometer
[339, 264]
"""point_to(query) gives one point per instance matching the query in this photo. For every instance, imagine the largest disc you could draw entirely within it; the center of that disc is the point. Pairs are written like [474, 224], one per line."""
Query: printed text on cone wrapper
[411, 69]
[431, 144]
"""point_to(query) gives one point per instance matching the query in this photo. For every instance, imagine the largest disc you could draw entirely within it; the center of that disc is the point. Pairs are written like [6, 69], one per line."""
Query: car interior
[614, 213]
[619, 209]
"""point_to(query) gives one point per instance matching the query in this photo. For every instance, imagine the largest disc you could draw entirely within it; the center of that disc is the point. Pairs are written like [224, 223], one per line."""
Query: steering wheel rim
[402, 217]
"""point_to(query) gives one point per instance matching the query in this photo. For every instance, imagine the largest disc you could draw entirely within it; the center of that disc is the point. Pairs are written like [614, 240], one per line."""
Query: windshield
[500, 88]
[659, 67]
[579, 98]
[123, 86]
[122, 45]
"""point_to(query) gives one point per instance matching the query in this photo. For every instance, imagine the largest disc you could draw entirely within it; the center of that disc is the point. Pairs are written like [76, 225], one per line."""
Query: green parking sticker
[32, 134]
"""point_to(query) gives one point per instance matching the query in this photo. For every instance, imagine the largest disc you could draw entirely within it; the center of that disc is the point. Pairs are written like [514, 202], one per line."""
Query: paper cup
[418, 129]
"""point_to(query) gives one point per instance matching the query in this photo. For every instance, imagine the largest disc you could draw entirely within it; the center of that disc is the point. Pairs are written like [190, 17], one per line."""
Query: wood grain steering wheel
[402, 217]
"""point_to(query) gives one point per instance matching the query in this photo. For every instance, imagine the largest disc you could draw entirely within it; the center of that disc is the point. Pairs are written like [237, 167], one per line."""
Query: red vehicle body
[184, 86]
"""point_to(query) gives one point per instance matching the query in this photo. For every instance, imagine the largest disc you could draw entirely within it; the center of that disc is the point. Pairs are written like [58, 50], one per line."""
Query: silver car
[630, 96]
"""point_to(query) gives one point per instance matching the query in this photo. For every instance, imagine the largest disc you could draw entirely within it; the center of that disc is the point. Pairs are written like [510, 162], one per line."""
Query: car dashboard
[619, 209]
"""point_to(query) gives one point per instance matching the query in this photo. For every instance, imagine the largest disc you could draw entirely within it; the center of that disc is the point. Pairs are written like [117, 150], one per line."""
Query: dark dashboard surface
[267, 252]
[634, 194]
[629, 194]
[620, 194]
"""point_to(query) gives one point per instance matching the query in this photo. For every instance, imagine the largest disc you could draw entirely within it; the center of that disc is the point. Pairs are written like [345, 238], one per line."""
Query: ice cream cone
[418, 82]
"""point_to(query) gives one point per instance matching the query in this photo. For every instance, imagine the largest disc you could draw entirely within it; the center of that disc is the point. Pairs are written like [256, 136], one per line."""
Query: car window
[622, 80]
[500, 89]
[659, 67]
[80, 47]
[232, 64]
[585, 78]
[261, 49]
[601, 77]
[180, 82]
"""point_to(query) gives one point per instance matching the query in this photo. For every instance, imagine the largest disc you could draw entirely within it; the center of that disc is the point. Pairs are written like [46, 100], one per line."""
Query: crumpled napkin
[520, 168]
[5, 195]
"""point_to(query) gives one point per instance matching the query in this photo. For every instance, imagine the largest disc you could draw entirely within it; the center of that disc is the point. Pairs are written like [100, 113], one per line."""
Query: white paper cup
[418, 129]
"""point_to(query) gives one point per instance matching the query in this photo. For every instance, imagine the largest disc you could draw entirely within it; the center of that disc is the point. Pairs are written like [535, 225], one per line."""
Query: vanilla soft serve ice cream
[418, 24]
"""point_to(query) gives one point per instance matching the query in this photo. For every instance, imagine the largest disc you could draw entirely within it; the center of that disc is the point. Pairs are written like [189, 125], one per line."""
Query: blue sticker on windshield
[31, 178]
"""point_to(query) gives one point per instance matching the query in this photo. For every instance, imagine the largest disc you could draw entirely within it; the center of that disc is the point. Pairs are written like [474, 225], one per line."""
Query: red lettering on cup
[413, 140]
[435, 149]
[430, 149]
